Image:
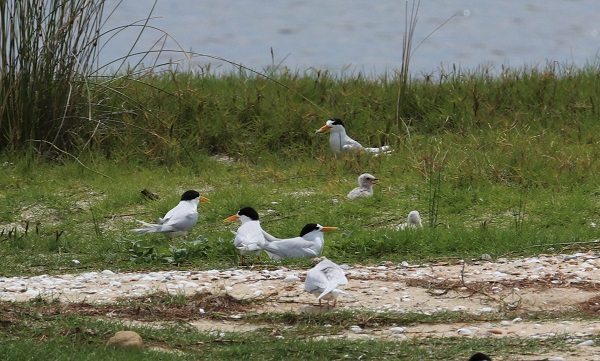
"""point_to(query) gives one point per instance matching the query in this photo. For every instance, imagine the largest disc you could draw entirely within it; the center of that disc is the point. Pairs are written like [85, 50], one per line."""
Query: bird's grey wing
[269, 237]
[146, 223]
[248, 241]
[315, 281]
[148, 227]
[172, 212]
[334, 276]
[351, 145]
[384, 150]
[290, 248]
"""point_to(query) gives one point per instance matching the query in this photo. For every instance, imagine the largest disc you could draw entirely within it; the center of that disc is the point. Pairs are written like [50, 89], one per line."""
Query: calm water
[365, 35]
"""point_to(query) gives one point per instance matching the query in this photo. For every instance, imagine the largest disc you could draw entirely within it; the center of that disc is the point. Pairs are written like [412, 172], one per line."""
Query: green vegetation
[60, 332]
[87, 213]
[498, 163]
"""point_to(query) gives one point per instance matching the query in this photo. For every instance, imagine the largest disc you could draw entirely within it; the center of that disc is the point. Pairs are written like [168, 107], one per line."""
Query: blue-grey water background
[364, 36]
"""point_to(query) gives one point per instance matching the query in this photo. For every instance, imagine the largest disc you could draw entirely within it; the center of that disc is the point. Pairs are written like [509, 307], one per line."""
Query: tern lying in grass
[249, 235]
[340, 142]
[365, 186]
[179, 220]
[309, 244]
[323, 280]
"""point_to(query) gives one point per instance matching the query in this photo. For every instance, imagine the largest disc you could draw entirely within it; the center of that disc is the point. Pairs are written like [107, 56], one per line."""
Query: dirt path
[558, 283]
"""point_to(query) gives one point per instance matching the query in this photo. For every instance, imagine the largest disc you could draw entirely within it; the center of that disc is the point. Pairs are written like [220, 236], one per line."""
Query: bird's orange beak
[235, 217]
[204, 200]
[327, 229]
[323, 129]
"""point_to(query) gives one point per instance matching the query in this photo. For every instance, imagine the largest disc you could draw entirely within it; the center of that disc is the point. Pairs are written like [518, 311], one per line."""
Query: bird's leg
[242, 257]
[320, 304]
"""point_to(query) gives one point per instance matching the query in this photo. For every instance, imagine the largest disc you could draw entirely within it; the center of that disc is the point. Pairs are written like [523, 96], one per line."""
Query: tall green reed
[46, 49]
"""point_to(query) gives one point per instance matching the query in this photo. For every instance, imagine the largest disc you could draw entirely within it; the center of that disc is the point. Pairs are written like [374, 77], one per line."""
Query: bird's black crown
[248, 212]
[189, 195]
[309, 228]
[337, 121]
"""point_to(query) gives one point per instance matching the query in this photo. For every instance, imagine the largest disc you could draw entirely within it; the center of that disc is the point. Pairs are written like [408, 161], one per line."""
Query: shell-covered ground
[548, 283]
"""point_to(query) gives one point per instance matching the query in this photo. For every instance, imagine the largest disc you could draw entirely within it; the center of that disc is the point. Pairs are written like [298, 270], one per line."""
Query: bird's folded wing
[315, 280]
[248, 242]
[146, 223]
[352, 146]
[290, 248]
[270, 238]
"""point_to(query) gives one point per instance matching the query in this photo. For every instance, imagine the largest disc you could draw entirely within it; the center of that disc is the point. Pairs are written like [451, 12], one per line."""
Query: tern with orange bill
[308, 244]
[340, 142]
[249, 235]
[179, 220]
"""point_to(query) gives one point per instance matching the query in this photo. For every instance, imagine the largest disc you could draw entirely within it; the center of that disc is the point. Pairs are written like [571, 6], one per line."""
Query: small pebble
[355, 328]
[464, 332]
[586, 343]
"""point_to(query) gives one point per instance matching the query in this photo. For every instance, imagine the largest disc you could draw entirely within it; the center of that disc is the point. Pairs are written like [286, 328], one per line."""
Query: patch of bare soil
[217, 300]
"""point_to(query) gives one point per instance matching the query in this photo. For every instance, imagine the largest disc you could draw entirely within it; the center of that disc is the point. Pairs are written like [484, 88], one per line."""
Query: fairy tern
[308, 244]
[179, 220]
[412, 221]
[340, 142]
[323, 280]
[365, 186]
[249, 235]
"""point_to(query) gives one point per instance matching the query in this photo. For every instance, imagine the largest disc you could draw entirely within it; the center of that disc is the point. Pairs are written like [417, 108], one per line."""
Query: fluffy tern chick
[323, 280]
[179, 220]
[308, 244]
[413, 221]
[340, 142]
[365, 186]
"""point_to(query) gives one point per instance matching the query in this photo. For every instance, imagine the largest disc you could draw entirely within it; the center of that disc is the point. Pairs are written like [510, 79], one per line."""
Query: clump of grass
[47, 49]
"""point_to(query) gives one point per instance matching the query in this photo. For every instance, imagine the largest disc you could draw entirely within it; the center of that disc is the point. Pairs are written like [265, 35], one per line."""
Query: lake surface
[361, 35]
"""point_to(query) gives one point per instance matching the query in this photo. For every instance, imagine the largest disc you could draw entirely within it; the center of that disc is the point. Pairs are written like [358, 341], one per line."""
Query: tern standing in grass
[179, 220]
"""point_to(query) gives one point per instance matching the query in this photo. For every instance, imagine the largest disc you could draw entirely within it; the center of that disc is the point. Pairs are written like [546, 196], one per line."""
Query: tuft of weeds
[47, 47]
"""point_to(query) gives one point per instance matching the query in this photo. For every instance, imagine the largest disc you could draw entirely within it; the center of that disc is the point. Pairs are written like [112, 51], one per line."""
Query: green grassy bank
[504, 165]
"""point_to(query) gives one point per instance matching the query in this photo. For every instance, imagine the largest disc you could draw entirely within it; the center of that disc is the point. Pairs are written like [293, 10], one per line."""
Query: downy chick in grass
[340, 142]
[413, 221]
[365, 186]
[249, 236]
[308, 244]
[179, 220]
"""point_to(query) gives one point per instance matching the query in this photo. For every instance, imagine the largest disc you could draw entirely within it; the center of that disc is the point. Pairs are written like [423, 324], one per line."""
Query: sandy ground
[553, 282]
